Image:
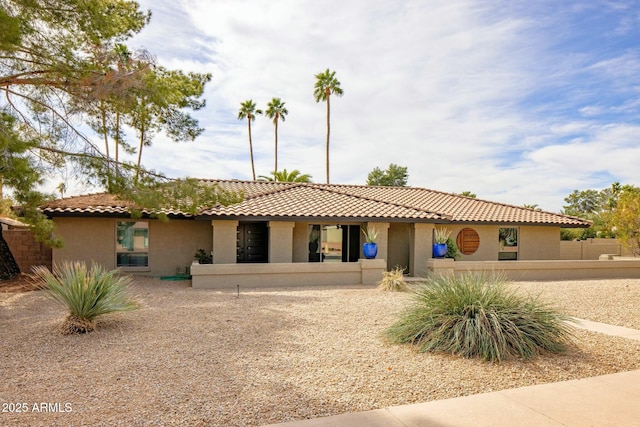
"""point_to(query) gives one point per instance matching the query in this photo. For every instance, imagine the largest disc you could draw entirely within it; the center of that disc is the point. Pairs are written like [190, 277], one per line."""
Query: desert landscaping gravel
[207, 357]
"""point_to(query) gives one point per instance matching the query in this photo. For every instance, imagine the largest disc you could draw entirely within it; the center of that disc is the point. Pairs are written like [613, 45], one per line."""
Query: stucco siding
[281, 241]
[399, 245]
[301, 242]
[539, 243]
[534, 242]
[489, 245]
[86, 239]
[172, 244]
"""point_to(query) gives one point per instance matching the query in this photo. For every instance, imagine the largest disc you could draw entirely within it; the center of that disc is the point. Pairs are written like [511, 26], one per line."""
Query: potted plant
[440, 237]
[370, 247]
[203, 257]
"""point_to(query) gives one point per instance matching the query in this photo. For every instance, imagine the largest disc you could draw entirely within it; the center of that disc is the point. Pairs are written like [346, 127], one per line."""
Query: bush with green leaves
[393, 280]
[203, 257]
[86, 292]
[477, 315]
[452, 249]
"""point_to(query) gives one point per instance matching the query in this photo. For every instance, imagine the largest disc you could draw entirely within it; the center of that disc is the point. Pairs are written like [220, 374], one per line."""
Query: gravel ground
[203, 357]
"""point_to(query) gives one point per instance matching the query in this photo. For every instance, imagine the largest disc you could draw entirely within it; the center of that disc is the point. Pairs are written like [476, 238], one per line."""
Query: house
[296, 232]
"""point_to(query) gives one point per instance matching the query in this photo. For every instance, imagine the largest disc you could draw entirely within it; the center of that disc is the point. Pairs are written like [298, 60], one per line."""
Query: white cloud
[469, 95]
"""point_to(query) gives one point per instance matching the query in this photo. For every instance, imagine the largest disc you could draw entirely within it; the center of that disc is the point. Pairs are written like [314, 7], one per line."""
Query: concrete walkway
[608, 400]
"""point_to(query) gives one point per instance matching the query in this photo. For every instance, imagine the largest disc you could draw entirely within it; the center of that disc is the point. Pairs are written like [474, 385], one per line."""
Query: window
[334, 243]
[508, 238]
[331, 243]
[132, 244]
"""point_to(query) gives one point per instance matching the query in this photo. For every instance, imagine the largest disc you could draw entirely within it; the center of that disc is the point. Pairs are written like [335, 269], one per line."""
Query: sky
[519, 102]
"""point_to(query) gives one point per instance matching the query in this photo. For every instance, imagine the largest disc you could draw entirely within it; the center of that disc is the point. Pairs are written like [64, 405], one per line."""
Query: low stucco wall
[229, 276]
[542, 270]
[591, 248]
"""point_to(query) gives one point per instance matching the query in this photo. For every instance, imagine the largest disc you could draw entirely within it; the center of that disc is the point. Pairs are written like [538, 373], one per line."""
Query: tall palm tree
[284, 176]
[248, 111]
[326, 84]
[276, 111]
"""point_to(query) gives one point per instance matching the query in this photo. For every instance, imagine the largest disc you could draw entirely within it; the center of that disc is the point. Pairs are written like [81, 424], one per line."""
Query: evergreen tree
[393, 176]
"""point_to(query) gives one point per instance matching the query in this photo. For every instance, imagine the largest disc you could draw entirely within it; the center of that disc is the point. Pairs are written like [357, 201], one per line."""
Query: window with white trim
[132, 244]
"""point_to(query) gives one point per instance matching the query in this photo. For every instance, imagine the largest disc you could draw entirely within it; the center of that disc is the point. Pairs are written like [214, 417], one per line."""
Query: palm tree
[62, 187]
[248, 111]
[284, 176]
[276, 111]
[326, 84]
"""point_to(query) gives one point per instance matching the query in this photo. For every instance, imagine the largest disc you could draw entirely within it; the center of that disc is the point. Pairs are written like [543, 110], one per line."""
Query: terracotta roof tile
[304, 201]
[98, 203]
[299, 200]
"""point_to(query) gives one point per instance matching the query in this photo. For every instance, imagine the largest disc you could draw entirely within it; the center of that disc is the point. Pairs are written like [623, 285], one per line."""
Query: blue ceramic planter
[370, 250]
[439, 250]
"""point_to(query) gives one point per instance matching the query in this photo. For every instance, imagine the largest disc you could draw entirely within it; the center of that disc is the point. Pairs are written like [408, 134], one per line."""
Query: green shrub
[86, 292]
[203, 257]
[476, 315]
[452, 249]
[393, 280]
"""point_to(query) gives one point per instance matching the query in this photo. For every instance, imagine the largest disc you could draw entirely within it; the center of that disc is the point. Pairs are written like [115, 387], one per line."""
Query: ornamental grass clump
[476, 315]
[393, 281]
[86, 292]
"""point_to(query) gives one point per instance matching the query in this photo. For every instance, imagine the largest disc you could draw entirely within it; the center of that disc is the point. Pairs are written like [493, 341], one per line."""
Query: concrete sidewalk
[609, 400]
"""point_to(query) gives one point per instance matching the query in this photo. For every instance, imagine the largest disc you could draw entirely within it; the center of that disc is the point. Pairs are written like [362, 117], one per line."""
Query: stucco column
[382, 240]
[420, 248]
[281, 241]
[225, 241]
[371, 270]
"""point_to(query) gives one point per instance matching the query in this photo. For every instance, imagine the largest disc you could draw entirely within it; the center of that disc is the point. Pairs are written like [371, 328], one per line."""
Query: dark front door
[252, 242]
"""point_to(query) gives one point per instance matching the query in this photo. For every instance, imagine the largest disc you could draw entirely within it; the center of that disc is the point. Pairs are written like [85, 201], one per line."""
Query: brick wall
[26, 250]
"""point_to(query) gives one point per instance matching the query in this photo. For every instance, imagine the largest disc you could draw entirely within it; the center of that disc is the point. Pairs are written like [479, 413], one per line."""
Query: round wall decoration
[468, 241]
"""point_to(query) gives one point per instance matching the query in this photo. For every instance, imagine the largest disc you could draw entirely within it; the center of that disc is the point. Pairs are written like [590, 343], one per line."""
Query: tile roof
[317, 201]
[298, 200]
[97, 204]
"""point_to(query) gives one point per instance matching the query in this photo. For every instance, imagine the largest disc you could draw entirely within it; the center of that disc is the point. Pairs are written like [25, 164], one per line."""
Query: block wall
[26, 250]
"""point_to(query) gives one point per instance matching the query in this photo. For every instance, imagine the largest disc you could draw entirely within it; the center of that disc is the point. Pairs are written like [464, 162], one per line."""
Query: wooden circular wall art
[468, 241]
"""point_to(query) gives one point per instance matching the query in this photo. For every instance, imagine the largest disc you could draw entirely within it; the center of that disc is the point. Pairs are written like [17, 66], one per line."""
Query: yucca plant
[370, 234]
[393, 280]
[476, 315]
[86, 292]
[440, 235]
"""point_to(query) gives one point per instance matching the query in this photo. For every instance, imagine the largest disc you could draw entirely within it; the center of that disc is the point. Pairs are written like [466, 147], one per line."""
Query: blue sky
[519, 102]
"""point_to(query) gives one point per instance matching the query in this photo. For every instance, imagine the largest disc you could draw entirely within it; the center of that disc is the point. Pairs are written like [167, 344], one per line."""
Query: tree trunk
[8, 265]
[139, 155]
[253, 169]
[328, 132]
[116, 166]
[103, 116]
[275, 168]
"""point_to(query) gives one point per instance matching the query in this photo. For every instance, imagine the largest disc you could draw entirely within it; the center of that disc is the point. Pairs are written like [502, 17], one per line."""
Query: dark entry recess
[252, 242]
